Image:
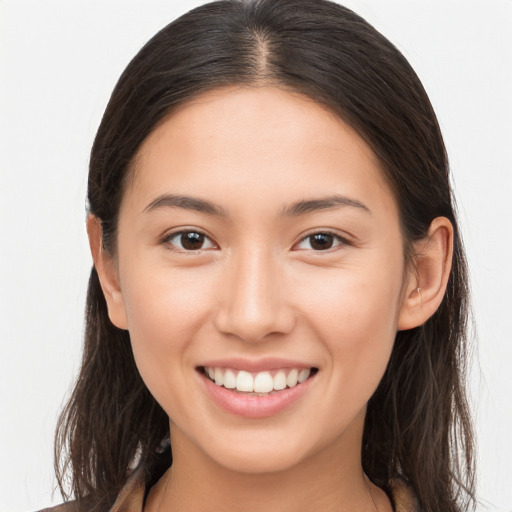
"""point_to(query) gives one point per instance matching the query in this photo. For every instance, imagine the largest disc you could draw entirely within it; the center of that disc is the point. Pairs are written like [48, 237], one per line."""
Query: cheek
[165, 310]
[163, 302]
[356, 316]
[352, 301]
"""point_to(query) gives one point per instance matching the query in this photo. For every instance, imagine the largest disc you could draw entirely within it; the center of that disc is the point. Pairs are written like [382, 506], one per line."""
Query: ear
[427, 281]
[107, 272]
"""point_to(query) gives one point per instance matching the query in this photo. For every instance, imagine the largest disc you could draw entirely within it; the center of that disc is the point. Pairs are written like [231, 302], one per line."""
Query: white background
[59, 63]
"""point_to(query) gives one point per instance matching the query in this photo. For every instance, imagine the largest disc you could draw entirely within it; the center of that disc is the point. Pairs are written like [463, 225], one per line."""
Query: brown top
[132, 495]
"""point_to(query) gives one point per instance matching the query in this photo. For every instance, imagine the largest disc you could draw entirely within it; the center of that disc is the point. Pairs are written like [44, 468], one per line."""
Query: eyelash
[341, 240]
[167, 240]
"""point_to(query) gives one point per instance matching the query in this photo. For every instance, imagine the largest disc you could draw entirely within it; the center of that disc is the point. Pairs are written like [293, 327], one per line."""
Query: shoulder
[129, 499]
[65, 507]
[403, 497]
[74, 506]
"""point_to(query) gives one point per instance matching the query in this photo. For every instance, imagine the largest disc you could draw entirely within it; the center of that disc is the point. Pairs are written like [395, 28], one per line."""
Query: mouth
[263, 383]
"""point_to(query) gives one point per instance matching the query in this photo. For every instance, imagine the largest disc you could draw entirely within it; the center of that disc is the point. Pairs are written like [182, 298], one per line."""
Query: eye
[187, 241]
[321, 241]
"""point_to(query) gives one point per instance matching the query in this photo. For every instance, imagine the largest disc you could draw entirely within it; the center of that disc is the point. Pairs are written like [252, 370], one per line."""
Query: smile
[257, 388]
[260, 383]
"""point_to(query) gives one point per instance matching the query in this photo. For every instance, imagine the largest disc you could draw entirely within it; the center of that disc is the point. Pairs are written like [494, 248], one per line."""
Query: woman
[279, 284]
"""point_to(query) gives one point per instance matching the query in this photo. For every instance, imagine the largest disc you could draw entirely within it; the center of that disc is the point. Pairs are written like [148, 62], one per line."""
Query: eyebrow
[294, 210]
[323, 203]
[187, 203]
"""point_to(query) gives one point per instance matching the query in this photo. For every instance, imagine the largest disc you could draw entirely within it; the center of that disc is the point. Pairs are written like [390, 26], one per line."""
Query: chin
[257, 461]
[260, 451]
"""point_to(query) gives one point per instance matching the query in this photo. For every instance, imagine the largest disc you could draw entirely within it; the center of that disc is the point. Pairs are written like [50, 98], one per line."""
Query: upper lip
[255, 365]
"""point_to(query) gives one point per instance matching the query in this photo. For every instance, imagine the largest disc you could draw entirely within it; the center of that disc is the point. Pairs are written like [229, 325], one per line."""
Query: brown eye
[192, 241]
[189, 241]
[321, 241]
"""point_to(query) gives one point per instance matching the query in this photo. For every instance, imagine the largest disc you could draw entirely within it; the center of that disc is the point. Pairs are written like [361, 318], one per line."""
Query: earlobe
[428, 280]
[107, 273]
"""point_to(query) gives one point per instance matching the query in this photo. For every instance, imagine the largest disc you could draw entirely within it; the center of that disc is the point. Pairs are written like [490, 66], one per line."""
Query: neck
[330, 481]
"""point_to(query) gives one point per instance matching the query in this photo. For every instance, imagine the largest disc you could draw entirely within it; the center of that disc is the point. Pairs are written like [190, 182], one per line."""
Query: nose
[253, 299]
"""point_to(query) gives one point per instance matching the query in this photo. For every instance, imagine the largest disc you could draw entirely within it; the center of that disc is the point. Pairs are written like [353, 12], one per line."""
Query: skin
[258, 287]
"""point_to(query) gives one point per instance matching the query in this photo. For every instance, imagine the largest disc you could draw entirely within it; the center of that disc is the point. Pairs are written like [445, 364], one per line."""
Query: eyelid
[179, 231]
[344, 241]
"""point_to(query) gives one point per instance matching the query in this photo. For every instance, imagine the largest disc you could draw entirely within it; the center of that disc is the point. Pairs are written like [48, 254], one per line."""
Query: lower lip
[253, 406]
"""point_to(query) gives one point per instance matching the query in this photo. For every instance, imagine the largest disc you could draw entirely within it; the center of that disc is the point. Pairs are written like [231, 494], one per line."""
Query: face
[258, 241]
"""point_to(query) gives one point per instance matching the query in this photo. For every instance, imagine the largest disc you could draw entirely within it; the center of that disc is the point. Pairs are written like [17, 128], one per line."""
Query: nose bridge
[254, 303]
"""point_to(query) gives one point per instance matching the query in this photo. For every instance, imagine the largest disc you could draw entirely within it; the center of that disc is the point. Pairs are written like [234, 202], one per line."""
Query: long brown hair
[417, 425]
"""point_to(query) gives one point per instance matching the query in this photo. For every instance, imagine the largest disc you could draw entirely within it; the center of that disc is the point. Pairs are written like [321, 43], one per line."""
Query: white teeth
[291, 380]
[229, 379]
[219, 377]
[244, 381]
[279, 380]
[263, 383]
[303, 375]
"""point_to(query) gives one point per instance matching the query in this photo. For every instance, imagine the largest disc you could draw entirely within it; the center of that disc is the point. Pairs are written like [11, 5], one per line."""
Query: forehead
[263, 142]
